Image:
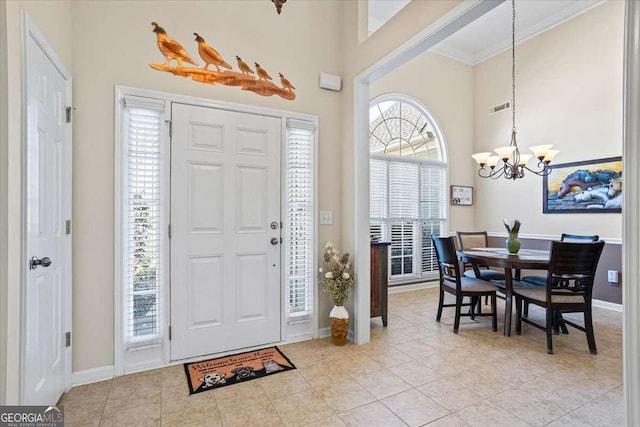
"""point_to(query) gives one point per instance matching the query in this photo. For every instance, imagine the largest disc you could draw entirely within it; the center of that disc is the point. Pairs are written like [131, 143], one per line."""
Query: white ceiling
[380, 11]
[491, 33]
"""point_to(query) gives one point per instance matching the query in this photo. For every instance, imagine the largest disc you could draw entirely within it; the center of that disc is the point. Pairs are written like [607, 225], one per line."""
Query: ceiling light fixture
[513, 163]
[278, 4]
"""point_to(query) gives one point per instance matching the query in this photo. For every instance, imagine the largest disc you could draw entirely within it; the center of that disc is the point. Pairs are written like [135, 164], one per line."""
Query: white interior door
[225, 223]
[48, 243]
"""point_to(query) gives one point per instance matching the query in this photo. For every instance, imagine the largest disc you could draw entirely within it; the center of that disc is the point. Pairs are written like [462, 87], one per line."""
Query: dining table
[525, 259]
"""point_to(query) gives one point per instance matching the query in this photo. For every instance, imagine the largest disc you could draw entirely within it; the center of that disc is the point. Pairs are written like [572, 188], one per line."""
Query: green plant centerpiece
[513, 228]
[337, 280]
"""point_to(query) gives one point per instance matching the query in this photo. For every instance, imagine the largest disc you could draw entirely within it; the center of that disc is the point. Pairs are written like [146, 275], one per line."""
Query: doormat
[236, 368]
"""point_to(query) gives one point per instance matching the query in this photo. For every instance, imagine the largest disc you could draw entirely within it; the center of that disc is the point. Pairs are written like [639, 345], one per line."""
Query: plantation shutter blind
[403, 190]
[142, 263]
[432, 212]
[299, 236]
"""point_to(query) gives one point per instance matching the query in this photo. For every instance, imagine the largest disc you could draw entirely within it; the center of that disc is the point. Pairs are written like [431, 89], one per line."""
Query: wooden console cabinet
[379, 283]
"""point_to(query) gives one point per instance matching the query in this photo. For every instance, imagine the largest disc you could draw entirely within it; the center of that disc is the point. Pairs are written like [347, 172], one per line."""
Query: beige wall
[445, 87]
[569, 93]
[113, 45]
[359, 56]
[54, 21]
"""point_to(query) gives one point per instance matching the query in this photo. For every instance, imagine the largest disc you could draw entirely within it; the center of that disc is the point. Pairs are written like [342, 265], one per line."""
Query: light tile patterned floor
[415, 372]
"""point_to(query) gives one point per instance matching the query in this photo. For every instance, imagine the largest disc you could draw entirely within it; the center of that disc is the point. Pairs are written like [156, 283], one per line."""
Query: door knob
[274, 240]
[35, 262]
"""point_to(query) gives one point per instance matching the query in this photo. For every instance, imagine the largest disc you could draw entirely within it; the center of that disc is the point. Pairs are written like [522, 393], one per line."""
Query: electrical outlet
[326, 217]
[612, 276]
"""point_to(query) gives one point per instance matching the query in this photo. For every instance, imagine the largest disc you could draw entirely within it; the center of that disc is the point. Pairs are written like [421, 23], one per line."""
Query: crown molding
[576, 9]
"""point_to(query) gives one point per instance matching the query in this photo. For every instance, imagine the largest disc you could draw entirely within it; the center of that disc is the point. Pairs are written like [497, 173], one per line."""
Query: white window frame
[443, 163]
[157, 354]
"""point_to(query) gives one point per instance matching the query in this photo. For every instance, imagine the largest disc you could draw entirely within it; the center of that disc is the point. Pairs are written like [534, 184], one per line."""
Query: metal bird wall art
[172, 50]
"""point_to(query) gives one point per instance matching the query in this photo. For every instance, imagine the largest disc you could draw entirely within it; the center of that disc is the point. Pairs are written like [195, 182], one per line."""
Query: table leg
[508, 301]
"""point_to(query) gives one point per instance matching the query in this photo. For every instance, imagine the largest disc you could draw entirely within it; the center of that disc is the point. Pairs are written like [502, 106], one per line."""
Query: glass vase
[513, 243]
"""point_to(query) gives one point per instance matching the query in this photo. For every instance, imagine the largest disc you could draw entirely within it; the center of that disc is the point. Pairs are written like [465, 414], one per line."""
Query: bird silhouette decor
[258, 81]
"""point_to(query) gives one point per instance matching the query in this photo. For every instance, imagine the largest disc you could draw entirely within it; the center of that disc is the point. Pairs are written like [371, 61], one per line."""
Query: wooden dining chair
[476, 239]
[568, 289]
[451, 281]
[542, 280]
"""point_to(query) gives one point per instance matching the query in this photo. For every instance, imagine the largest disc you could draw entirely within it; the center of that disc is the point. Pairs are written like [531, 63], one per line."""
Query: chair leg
[472, 307]
[519, 315]
[526, 309]
[440, 304]
[494, 313]
[456, 323]
[549, 330]
[480, 305]
[556, 323]
[588, 325]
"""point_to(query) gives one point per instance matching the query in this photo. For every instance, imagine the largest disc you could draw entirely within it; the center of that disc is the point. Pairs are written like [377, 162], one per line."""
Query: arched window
[408, 184]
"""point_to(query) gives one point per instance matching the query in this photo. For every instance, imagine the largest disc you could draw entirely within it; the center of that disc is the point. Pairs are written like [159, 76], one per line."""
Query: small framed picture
[461, 195]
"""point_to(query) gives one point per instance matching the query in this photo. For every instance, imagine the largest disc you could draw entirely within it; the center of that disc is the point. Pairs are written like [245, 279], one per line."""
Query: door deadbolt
[274, 240]
[274, 225]
[35, 262]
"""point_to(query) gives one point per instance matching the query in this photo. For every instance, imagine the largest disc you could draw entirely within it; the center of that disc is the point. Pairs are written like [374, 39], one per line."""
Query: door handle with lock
[275, 240]
[35, 262]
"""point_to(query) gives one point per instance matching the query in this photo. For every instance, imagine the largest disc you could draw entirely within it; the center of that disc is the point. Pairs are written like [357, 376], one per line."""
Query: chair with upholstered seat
[568, 289]
[476, 239]
[460, 286]
[542, 280]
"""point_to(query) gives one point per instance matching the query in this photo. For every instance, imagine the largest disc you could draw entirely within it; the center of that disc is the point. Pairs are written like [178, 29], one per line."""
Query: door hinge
[169, 332]
[68, 226]
[170, 128]
[67, 339]
[169, 230]
[68, 114]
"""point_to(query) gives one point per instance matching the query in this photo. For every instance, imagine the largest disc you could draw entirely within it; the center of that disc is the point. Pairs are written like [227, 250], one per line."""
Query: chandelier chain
[513, 64]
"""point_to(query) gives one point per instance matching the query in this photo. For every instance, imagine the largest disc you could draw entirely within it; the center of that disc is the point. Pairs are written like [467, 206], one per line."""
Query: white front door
[225, 223]
[47, 292]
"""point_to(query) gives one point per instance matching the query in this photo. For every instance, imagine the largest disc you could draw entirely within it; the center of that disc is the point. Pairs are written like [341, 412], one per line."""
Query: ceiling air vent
[501, 107]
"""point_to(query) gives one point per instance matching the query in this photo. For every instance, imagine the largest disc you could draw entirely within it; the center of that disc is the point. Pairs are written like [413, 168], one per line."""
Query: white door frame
[290, 331]
[30, 30]
[457, 18]
[631, 215]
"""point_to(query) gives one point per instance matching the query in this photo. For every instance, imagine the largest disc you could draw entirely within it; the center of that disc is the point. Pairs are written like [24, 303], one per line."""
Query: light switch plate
[612, 276]
[326, 217]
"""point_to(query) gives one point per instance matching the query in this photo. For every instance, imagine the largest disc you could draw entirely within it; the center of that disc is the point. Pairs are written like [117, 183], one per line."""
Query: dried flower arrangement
[336, 276]
[512, 226]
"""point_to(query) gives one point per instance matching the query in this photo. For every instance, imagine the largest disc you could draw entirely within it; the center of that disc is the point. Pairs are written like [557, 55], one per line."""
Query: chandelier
[278, 4]
[513, 163]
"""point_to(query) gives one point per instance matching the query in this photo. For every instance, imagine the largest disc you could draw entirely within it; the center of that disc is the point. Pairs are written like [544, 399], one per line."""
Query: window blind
[300, 272]
[408, 205]
[143, 240]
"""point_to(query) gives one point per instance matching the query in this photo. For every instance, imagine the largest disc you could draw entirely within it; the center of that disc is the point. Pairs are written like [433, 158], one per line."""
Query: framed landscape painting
[591, 186]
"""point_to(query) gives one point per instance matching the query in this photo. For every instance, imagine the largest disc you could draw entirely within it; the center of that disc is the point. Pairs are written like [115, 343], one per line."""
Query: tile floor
[414, 372]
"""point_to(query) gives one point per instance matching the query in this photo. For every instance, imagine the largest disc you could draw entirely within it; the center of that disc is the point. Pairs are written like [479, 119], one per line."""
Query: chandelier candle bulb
[481, 158]
[550, 155]
[505, 152]
[492, 161]
[540, 151]
[524, 158]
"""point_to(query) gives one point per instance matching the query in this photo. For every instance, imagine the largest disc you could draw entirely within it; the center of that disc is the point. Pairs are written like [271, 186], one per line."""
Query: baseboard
[607, 305]
[413, 287]
[93, 375]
